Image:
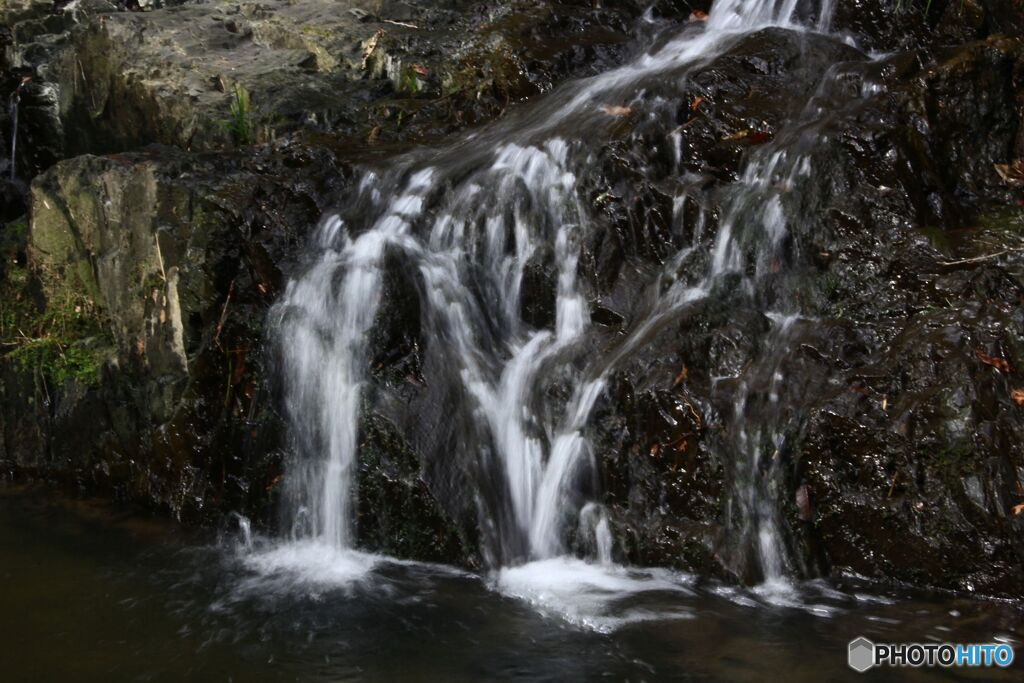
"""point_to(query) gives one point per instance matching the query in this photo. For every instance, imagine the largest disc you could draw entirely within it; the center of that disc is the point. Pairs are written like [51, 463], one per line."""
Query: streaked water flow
[467, 220]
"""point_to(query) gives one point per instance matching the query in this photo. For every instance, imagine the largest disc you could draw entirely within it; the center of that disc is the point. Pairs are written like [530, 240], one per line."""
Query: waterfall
[15, 100]
[468, 219]
[323, 320]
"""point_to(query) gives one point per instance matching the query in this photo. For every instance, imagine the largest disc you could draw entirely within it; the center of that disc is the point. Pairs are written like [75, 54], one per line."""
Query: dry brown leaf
[698, 15]
[680, 378]
[616, 110]
[1012, 173]
[1018, 509]
[696, 103]
[421, 70]
[1018, 396]
[738, 135]
[998, 363]
[370, 44]
[655, 450]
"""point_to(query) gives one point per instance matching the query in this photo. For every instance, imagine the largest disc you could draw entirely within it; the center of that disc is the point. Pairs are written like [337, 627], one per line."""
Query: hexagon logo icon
[862, 654]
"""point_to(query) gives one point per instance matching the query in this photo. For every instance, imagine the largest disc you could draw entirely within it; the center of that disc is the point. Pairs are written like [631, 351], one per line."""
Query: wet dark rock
[908, 455]
[397, 341]
[897, 25]
[538, 290]
[663, 486]
[901, 465]
[398, 514]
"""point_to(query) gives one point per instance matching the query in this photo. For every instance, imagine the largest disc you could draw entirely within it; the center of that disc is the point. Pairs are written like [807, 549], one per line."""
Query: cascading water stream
[15, 100]
[469, 219]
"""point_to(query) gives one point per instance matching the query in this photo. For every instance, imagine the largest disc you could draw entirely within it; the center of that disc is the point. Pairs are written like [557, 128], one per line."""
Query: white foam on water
[308, 564]
[588, 595]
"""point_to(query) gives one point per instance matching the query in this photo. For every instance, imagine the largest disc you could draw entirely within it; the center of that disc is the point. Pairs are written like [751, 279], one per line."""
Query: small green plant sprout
[241, 124]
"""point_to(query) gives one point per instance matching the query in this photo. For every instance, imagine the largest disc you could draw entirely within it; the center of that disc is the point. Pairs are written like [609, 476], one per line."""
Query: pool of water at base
[91, 594]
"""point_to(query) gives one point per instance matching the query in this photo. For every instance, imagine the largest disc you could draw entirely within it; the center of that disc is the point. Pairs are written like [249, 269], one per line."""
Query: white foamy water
[594, 596]
[312, 563]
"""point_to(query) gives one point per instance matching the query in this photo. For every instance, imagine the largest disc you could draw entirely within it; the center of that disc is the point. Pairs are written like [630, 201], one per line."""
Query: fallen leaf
[615, 110]
[370, 44]
[738, 135]
[656, 450]
[696, 416]
[421, 70]
[696, 103]
[1018, 509]
[680, 378]
[998, 363]
[1012, 173]
[698, 15]
[1018, 396]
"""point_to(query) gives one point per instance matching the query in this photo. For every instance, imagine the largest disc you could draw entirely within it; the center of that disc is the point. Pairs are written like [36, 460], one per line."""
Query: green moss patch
[62, 336]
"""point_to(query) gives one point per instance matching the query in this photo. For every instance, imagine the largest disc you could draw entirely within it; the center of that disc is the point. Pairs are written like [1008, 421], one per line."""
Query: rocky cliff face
[139, 281]
[170, 262]
[180, 156]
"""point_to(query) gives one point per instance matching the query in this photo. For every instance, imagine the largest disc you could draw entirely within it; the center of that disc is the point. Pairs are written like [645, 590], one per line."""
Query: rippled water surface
[91, 594]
